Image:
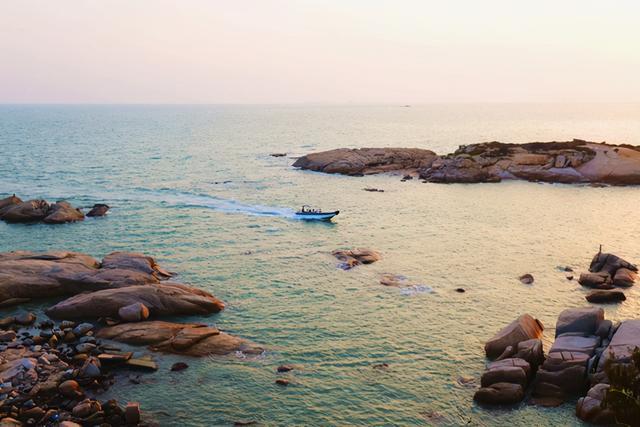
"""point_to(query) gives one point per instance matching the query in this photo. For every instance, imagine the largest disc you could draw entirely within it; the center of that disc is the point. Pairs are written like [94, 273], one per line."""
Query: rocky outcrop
[191, 339]
[161, 299]
[366, 161]
[352, 258]
[12, 209]
[41, 275]
[570, 162]
[607, 271]
[519, 351]
[579, 336]
[523, 328]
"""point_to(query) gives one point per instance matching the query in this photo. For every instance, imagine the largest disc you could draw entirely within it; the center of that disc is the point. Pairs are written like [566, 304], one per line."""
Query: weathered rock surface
[62, 212]
[523, 328]
[30, 211]
[352, 258]
[41, 275]
[183, 338]
[596, 280]
[364, 161]
[583, 320]
[604, 296]
[500, 394]
[576, 161]
[161, 299]
[588, 408]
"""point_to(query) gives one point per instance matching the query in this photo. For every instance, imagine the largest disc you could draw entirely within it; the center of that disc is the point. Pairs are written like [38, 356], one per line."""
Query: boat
[309, 214]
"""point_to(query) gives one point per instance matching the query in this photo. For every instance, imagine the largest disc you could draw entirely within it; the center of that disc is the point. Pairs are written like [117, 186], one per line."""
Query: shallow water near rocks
[196, 187]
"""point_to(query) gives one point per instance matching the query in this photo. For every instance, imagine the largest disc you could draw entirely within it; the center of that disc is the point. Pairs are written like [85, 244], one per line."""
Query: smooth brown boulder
[134, 312]
[583, 320]
[99, 209]
[596, 280]
[624, 277]
[61, 212]
[511, 362]
[523, 328]
[589, 408]
[531, 351]
[42, 275]
[572, 380]
[162, 299]
[604, 296]
[365, 161]
[500, 394]
[182, 338]
[29, 211]
[506, 374]
[352, 258]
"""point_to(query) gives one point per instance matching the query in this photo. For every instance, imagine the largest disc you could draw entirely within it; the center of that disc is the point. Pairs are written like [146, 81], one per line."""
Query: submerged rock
[526, 279]
[500, 394]
[352, 258]
[605, 296]
[62, 212]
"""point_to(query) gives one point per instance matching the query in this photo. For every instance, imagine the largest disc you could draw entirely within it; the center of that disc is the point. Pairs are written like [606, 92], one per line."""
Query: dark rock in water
[25, 318]
[527, 279]
[282, 382]
[351, 258]
[99, 209]
[609, 263]
[600, 280]
[624, 277]
[460, 290]
[569, 277]
[179, 366]
[406, 178]
[244, 423]
[604, 296]
[278, 154]
[373, 190]
[30, 211]
[132, 413]
[500, 394]
[285, 368]
[381, 366]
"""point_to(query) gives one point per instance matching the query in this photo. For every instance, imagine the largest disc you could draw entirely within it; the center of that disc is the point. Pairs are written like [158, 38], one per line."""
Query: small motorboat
[309, 214]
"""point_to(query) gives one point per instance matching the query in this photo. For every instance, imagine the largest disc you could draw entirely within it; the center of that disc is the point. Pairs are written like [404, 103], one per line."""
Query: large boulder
[571, 380]
[523, 328]
[182, 338]
[367, 160]
[575, 343]
[589, 408]
[605, 296]
[500, 394]
[62, 212]
[30, 211]
[583, 320]
[624, 277]
[507, 374]
[623, 342]
[531, 351]
[41, 275]
[162, 299]
[609, 263]
[601, 280]
[8, 202]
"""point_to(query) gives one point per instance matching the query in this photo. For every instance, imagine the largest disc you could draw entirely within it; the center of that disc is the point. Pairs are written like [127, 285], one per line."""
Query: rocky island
[570, 162]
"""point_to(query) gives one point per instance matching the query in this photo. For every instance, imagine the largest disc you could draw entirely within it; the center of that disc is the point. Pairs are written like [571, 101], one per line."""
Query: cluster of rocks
[354, 257]
[13, 209]
[54, 374]
[574, 366]
[60, 368]
[518, 352]
[575, 161]
[606, 272]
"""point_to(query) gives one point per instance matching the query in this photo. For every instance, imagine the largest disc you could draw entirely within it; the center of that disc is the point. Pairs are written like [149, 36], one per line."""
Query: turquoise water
[195, 187]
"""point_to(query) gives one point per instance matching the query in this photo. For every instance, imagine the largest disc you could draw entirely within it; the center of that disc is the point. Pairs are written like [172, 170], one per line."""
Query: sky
[318, 51]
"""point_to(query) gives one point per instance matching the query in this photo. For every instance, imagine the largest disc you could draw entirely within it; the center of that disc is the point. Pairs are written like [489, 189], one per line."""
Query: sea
[196, 187]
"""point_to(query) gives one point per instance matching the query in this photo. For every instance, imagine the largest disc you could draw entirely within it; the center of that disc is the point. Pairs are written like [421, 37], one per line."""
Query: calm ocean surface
[195, 187]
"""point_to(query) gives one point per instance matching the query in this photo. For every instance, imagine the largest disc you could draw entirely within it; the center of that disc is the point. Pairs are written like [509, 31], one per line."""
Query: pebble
[82, 329]
[285, 368]
[282, 382]
[25, 318]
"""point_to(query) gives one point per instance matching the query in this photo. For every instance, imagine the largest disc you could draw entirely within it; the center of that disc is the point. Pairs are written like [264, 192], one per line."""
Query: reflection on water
[197, 188]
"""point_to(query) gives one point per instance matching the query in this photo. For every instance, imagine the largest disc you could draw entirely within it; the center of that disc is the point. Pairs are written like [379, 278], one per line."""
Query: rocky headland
[570, 162]
[53, 372]
[14, 210]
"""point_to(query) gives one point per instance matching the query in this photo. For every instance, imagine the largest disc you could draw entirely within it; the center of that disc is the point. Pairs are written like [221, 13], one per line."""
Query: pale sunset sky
[313, 51]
